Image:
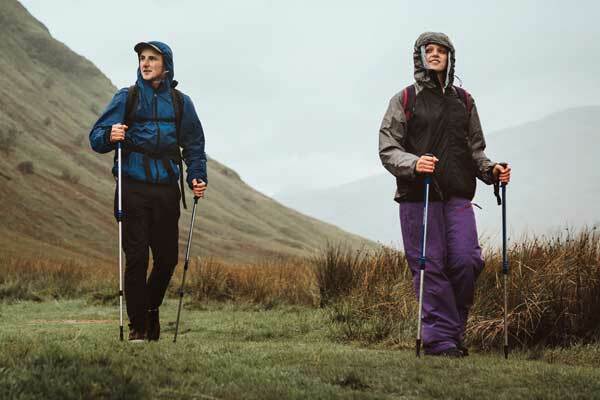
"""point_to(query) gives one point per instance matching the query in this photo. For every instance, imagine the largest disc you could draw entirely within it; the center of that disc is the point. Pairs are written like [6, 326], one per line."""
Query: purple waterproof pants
[453, 264]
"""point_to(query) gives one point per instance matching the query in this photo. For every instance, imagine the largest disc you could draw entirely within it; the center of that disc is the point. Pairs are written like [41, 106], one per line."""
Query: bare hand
[117, 133]
[198, 187]
[426, 164]
[501, 173]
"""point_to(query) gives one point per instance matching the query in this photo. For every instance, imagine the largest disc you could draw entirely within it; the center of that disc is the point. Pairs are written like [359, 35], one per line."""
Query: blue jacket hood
[169, 66]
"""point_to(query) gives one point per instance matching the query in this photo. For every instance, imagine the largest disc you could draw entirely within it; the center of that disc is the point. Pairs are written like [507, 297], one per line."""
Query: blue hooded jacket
[154, 129]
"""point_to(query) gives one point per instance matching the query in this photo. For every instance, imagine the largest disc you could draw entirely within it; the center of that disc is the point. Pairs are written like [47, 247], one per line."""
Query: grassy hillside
[57, 194]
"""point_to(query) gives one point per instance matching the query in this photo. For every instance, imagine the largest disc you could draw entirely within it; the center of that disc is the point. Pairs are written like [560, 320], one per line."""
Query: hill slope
[57, 194]
[555, 183]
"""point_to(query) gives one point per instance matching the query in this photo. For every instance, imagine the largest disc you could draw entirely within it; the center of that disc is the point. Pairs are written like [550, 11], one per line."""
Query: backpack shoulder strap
[409, 95]
[177, 98]
[465, 97]
[131, 104]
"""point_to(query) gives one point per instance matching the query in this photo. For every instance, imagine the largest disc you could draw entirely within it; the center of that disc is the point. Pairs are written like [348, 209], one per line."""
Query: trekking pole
[502, 202]
[185, 267]
[119, 220]
[422, 260]
[505, 270]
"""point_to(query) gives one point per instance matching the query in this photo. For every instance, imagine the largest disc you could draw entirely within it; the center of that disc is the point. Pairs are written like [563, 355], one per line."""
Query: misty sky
[291, 94]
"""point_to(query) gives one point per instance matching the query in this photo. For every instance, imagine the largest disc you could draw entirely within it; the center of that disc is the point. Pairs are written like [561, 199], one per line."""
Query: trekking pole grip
[427, 174]
[503, 165]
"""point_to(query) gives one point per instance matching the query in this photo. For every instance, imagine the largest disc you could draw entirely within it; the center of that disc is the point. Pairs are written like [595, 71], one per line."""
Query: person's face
[436, 57]
[151, 64]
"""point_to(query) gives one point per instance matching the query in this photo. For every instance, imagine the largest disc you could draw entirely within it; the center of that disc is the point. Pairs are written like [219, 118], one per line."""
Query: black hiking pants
[150, 222]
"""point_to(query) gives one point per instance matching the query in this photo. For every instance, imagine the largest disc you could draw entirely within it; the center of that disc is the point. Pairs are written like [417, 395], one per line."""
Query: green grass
[51, 350]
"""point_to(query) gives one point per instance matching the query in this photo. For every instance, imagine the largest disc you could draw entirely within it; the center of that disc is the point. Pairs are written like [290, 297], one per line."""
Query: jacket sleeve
[477, 141]
[113, 114]
[392, 136]
[192, 142]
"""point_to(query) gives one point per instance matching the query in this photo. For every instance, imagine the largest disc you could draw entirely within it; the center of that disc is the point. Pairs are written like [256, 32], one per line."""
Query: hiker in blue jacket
[152, 120]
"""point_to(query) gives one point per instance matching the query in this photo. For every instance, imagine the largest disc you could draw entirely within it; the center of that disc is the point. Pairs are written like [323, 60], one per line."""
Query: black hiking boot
[465, 350]
[153, 325]
[451, 353]
[136, 335]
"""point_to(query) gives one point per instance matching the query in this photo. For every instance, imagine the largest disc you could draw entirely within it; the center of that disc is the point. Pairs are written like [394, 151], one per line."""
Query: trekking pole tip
[418, 347]
[506, 352]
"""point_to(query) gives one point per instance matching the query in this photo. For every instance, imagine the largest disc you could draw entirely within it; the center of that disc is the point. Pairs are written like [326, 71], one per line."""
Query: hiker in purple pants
[433, 116]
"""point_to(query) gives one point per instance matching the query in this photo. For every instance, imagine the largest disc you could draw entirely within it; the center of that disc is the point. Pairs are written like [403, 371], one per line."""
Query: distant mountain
[57, 194]
[556, 183]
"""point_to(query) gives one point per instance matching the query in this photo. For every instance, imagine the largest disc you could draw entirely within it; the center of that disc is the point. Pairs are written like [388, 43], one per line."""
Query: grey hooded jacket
[399, 155]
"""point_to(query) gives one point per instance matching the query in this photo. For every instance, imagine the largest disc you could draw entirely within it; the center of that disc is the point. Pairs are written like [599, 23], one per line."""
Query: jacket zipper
[158, 133]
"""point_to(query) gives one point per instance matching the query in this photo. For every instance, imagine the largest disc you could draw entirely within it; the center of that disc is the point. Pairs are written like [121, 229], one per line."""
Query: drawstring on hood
[423, 74]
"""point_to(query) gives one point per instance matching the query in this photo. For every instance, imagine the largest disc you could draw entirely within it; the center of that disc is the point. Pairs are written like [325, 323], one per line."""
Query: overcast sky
[291, 94]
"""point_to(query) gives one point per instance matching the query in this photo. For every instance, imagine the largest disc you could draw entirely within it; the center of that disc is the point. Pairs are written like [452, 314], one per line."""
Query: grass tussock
[553, 294]
[368, 294]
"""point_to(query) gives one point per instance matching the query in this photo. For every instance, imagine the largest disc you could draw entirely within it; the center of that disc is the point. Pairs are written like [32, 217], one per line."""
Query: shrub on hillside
[67, 176]
[78, 140]
[8, 141]
[25, 167]
[48, 83]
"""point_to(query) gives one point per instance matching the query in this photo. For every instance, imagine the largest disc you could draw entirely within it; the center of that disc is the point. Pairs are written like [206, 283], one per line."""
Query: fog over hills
[555, 183]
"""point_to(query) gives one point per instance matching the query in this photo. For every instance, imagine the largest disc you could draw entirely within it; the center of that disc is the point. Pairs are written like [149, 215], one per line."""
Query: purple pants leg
[453, 264]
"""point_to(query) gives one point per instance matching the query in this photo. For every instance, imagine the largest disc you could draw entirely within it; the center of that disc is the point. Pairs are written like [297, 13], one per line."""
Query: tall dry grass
[553, 286]
[554, 289]
[554, 292]
[269, 282]
[38, 280]
[367, 293]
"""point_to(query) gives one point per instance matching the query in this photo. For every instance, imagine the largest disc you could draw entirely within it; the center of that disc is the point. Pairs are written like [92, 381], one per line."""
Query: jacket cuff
[107, 136]
[490, 173]
[190, 179]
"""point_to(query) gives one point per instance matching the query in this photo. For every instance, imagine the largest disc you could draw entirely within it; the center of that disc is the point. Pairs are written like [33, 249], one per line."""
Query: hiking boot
[451, 352]
[153, 325]
[135, 335]
[460, 346]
